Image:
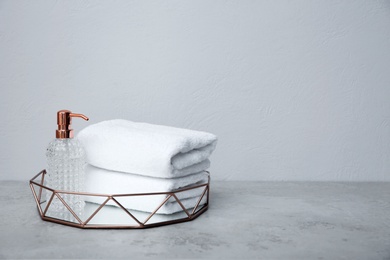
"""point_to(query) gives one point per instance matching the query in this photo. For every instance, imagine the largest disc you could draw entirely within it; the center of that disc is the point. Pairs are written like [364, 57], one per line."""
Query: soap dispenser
[66, 160]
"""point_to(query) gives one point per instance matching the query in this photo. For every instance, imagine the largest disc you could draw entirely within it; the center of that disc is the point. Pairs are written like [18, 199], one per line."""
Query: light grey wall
[295, 90]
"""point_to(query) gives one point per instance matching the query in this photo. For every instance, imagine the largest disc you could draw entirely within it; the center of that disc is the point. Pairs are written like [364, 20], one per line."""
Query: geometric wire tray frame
[195, 212]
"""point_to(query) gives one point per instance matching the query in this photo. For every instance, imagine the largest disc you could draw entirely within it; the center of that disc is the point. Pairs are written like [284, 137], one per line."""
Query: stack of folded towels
[128, 157]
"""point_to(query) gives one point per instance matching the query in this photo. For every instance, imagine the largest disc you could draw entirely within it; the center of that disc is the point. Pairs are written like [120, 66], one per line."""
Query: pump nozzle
[64, 122]
[79, 115]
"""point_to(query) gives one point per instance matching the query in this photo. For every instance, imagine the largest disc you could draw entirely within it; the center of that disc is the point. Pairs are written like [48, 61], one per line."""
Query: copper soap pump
[66, 160]
[64, 122]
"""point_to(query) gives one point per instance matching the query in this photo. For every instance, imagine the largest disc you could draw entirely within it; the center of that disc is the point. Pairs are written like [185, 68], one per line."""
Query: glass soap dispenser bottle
[66, 160]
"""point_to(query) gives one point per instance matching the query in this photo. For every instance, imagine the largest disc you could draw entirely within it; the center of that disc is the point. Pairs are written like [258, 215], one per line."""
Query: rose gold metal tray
[106, 216]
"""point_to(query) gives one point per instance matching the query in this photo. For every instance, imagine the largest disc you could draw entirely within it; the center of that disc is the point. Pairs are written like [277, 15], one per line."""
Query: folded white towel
[146, 149]
[110, 182]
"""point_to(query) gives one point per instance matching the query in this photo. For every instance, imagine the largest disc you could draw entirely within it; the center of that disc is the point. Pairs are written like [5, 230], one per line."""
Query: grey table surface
[246, 220]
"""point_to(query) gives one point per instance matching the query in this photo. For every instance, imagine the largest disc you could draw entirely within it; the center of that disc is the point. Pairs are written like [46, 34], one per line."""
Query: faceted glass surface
[66, 160]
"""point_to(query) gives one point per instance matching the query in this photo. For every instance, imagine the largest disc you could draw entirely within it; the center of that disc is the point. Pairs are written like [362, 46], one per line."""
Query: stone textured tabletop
[264, 220]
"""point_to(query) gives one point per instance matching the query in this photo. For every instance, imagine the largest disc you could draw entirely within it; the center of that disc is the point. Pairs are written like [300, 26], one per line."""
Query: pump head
[64, 122]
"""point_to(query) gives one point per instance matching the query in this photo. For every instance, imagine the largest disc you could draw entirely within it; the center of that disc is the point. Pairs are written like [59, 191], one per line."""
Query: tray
[103, 215]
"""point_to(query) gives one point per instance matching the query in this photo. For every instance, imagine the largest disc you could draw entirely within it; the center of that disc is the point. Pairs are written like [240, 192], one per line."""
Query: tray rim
[196, 211]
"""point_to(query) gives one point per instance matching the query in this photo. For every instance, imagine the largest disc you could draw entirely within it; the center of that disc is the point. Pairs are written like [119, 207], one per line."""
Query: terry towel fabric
[147, 149]
[110, 182]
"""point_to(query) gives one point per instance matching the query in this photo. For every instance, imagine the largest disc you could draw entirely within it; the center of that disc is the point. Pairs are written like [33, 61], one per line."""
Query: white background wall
[295, 90]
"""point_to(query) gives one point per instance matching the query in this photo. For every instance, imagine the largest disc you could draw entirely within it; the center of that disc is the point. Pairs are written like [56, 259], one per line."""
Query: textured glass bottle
[66, 160]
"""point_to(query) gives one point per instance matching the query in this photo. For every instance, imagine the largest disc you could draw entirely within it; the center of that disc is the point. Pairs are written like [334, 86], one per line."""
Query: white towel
[146, 149]
[110, 182]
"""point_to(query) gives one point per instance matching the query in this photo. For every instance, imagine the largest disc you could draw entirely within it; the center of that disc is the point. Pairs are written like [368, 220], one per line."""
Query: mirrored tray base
[108, 210]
